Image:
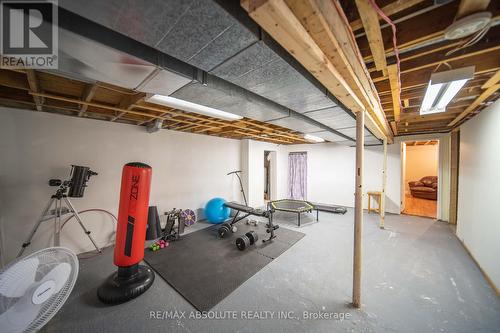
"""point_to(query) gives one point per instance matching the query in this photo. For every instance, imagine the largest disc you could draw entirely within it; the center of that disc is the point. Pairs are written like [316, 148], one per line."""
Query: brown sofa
[425, 188]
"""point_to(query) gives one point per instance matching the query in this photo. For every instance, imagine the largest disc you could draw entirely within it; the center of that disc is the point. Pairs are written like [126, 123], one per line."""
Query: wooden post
[358, 209]
[384, 185]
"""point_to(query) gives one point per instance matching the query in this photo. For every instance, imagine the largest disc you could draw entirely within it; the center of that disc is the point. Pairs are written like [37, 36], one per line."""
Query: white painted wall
[478, 224]
[421, 161]
[330, 172]
[188, 170]
[252, 162]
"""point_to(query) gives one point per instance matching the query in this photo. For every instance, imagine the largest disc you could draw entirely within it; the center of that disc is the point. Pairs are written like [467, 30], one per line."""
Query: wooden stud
[390, 9]
[392, 72]
[34, 86]
[87, 96]
[278, 19]
[394, 127]
[371, 24]
[384, 187]
[128, 103]
[487, 93]
[13, 79]
[492, 80]
[358, 210]
[436, 63]
[273, 136]
[468, 7]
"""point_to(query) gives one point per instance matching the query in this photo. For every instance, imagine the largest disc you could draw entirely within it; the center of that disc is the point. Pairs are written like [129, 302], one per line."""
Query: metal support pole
[358, 209]
[384, 186]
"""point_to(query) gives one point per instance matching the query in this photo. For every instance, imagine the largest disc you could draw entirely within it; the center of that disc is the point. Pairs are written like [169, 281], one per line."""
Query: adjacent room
[420, 164]
[249, 166]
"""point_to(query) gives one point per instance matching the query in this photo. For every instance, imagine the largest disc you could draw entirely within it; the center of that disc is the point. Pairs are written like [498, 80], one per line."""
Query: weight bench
[247, 210]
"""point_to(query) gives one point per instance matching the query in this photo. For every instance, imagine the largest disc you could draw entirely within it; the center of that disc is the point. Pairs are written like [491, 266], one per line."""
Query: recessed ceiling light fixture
[313, 138]
[442, 87]
[191, 107]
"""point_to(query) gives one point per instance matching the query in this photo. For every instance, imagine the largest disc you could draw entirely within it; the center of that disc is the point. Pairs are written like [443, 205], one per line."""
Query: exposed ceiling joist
[390, 9]
[485, 95]
[87, 96]
[468, 7]
[128, 103]
[34, 86]
[492, 80]
[392, 71]
[315, 47]
[371, 24]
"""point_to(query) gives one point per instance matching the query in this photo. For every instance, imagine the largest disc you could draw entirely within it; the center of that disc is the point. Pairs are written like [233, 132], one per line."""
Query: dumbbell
[225, 229]
[244, 241]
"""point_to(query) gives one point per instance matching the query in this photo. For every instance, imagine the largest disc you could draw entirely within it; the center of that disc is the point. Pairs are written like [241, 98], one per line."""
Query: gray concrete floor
[416, 278]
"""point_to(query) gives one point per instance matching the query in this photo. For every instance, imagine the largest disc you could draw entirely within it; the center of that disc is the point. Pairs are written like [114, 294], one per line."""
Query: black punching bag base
[125, 284]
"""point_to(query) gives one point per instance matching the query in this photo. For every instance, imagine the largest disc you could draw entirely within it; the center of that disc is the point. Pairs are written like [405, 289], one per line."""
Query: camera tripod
[57, 200]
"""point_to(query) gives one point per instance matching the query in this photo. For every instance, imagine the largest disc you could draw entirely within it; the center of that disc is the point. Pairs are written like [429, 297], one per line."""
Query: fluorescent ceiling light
[442, 87]
[313, 138]
[191, 107]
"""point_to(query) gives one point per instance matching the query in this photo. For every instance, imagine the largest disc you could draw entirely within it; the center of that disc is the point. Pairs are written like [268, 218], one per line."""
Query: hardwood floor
[420, 207]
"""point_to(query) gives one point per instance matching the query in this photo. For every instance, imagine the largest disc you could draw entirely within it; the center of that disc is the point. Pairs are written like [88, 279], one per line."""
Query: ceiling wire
[394, 42]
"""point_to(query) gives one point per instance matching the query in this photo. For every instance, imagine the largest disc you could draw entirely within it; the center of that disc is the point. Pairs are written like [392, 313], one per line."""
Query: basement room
[249, 166]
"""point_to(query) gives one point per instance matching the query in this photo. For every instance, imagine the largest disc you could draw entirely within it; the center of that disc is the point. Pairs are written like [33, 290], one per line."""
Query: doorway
[270, 182]
[420, 169]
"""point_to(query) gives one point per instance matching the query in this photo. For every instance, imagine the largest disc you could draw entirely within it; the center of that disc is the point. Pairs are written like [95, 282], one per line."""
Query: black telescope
[79, 178]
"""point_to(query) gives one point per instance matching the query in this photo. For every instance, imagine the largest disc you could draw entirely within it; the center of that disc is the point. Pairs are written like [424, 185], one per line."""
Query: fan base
[125, 284]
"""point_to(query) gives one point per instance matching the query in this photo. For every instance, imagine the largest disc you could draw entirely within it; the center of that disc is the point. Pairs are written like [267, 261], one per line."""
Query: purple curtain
[297, 176]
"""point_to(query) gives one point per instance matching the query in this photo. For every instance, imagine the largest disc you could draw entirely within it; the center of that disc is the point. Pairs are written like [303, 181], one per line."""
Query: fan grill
[48, 259]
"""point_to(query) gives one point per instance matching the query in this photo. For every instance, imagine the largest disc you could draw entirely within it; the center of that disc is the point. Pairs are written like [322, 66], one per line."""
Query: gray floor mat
[205, 269]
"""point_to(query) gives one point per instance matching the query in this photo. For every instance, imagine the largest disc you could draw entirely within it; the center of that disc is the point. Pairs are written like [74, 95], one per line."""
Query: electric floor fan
[35, 287]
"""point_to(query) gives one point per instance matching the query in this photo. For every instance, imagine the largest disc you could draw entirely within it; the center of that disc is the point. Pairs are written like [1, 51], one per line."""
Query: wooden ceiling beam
[413, 79]
[13, 79]
[34, 85]
[128, 103]
[485, 95]
[306, 28]
[88, 94]
[392, 71]
[468, 7]
[439, 59]
[389, 10]
[418, 30]
[370, 20]
[492, 80]
[192, 118]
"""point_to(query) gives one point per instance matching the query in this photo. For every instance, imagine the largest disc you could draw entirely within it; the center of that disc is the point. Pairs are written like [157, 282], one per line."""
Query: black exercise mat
[205, 269]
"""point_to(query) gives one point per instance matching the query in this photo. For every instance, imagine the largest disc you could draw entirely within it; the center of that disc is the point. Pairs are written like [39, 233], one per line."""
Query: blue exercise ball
[216, 212]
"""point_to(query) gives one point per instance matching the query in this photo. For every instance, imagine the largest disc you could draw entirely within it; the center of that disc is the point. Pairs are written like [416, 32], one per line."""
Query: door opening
[420, 169]
[270, 182]
[267, 175]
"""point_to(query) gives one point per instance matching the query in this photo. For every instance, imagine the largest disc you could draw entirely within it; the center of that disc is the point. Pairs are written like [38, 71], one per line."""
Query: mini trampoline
[292, 206]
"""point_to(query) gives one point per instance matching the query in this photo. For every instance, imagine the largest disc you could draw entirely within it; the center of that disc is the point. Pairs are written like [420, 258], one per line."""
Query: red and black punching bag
[131, 279]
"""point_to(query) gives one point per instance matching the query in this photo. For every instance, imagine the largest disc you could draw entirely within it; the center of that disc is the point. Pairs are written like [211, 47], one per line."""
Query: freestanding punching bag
[131, 279]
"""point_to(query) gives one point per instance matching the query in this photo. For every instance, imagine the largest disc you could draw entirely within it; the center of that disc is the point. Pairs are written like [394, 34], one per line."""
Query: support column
[384, 186]
[358, 209]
